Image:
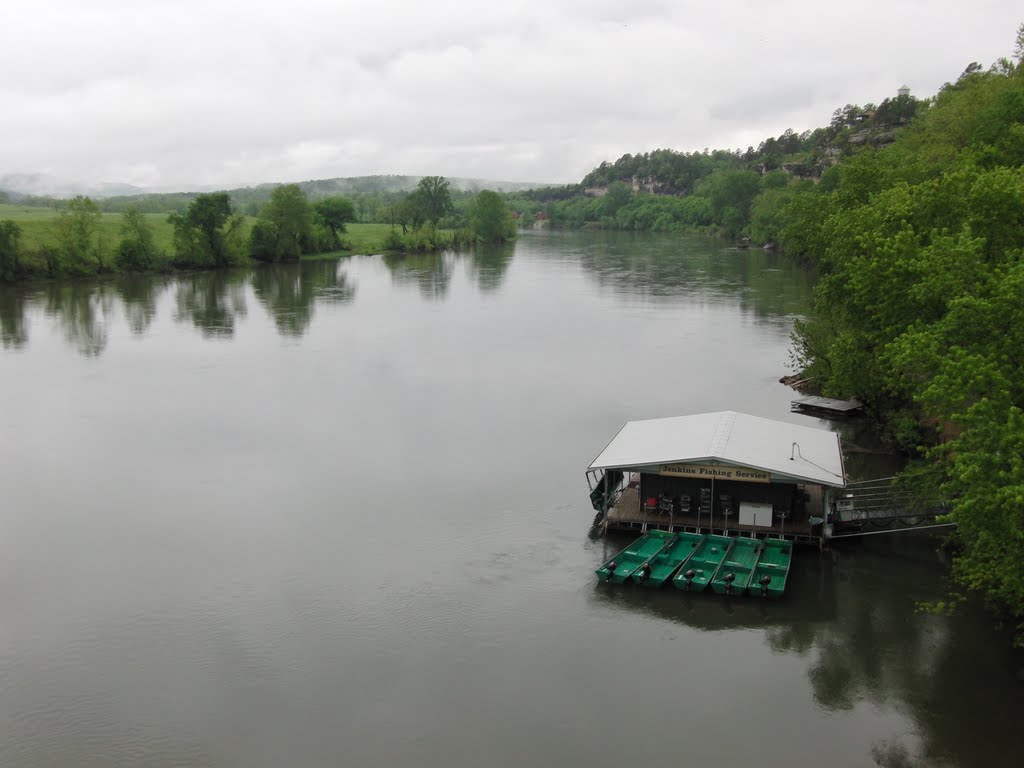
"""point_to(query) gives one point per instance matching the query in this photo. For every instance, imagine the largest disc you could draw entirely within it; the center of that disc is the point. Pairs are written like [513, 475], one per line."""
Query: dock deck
[826, 406]
[627, 513]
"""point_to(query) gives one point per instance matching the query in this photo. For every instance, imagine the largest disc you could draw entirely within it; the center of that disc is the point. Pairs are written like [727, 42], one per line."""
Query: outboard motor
[641, 575]
[729, 578]
[611, 570]
[689, 577]
[764, 581]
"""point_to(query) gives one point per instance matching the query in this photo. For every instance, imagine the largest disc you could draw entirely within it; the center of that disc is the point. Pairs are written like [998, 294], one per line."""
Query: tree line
[918, 310]
[734, 194]
[210, 233]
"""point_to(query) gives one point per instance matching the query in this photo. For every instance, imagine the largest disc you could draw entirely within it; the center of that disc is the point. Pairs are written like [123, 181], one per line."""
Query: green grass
[38, 233]
[38, 226]
[366, 238]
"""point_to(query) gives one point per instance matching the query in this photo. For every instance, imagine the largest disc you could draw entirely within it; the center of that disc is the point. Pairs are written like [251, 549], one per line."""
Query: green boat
[703, 563]
[769, 579]
[636, 555]
[663, 565]
[733, 574]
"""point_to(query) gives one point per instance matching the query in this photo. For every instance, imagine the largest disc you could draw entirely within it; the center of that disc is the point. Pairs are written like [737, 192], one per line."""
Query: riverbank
[38, 240]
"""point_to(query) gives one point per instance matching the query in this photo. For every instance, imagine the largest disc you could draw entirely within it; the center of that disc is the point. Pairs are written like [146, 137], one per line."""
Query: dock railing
[884, 502]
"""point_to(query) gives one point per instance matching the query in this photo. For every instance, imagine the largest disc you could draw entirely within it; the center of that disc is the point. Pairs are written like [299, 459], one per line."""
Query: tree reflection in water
[430, 272]
[14, 301]
[139, 294]
[488, 264]
[211, 301]
[289, 292]
[852, 613]
[82, 309]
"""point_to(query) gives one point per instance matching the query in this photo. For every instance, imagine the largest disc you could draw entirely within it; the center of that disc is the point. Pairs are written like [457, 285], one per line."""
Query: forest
[918, 308]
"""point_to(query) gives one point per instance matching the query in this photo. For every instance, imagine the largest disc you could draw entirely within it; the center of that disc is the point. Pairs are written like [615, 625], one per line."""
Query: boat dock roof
[790, 452]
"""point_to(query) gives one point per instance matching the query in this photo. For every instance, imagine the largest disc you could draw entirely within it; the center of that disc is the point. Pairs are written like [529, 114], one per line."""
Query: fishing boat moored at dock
[733, 574]
[665, 564]
[703, 564]
[636, 557]
[772, 569]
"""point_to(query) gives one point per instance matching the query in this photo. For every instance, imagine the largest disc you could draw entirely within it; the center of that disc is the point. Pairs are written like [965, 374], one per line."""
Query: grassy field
[366, 238]
[38, 233]
[38, 227]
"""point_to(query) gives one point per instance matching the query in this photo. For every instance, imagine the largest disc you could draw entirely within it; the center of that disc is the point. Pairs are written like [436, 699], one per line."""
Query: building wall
[782, 496]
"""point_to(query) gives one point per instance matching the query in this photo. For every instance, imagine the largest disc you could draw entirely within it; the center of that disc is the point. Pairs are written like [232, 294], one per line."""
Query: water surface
[335, 512]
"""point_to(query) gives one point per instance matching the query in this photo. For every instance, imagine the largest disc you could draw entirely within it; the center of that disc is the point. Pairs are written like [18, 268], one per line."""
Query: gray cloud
[221, 93]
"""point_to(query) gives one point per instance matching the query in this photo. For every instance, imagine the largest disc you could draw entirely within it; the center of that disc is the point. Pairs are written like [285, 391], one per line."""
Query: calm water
[335, 514]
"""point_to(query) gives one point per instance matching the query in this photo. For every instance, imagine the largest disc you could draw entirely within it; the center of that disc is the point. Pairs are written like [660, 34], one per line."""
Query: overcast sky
[175, 93]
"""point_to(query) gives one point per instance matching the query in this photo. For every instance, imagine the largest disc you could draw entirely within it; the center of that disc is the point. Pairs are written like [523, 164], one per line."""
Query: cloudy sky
[178, 93]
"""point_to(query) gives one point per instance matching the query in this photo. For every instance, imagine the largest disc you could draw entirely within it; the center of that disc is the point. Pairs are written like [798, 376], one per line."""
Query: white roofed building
[728, 472]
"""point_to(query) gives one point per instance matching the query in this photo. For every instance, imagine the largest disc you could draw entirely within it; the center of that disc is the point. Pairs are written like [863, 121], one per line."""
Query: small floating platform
[771, 571]
[634, 557]
[826, 406]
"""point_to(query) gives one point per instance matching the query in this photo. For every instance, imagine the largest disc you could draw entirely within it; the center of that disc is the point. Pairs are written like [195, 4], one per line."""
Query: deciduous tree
[490, 218]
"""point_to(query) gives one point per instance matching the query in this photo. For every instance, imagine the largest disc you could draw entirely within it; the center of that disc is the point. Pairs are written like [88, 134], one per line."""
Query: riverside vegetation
[209, 232]
[918, 308]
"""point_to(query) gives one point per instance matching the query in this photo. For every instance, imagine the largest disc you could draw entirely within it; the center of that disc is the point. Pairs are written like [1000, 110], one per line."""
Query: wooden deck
[826, 406]
[628, 514]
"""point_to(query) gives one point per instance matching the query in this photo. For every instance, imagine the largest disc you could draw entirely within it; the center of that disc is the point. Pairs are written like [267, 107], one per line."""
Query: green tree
[77, 229]
[731, 194]
[137, 249]
[208, 234]
[10, 233]
[334, 213]
[618, 195]
[285, 227]
[490, 218]
[433, 197]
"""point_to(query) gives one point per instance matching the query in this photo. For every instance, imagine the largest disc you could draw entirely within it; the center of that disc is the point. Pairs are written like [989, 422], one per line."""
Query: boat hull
[665, 565]
[774, 567]
[703, 563]
[734, 573]
[633, 557]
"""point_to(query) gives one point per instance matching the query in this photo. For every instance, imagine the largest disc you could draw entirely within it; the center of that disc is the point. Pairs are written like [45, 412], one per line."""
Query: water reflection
[82, 309]
[289, 292]
[766, 283]
[656, 268]
[430, 272]
[488, 264]
[212, 301]
[139, 295]
[13, 323]
[851, 612]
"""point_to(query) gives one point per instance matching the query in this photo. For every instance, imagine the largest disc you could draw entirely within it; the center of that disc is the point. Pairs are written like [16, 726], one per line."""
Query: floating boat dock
[723, 473]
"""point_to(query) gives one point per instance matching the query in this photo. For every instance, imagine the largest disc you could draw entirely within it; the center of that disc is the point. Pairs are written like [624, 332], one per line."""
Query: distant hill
[43, 185]
[39, 189]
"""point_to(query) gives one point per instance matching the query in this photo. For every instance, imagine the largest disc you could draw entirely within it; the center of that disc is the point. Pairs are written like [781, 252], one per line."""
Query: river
[335, 513]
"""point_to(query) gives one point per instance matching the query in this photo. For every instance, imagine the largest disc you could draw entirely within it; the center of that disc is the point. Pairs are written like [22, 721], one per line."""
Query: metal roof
[787, 450]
